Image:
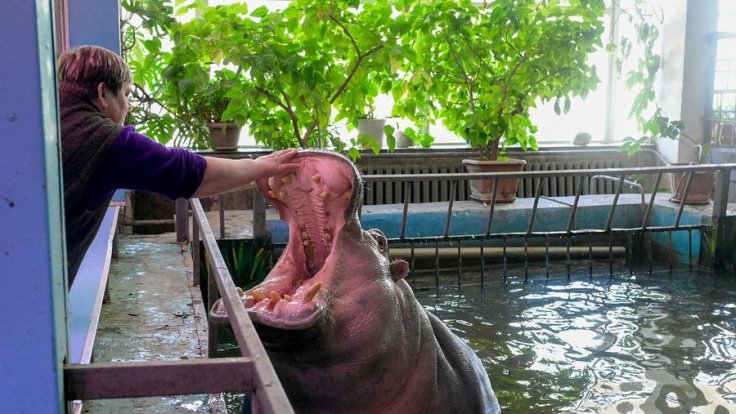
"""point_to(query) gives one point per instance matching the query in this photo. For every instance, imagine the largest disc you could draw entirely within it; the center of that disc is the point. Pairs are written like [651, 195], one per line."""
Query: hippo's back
[464, 370]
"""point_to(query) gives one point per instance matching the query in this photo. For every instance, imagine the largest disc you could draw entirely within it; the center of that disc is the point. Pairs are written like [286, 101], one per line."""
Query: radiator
[431, 191]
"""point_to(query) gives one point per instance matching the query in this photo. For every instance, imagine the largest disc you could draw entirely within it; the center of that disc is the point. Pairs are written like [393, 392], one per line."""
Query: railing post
[259, 215]
[723, 228]
[196, 253]
[182, 220]
[720, 195]
[212, 296]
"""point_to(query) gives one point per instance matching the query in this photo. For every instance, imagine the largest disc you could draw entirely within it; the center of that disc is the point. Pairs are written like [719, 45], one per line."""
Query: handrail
[269, 395]
[720, 198]
[252, 372]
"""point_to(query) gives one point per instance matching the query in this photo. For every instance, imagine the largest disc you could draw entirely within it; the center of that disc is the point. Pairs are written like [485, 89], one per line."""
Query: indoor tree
[479, 68]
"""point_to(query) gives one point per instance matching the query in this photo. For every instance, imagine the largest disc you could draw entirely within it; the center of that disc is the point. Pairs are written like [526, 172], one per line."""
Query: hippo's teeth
[240, 291]
[312, 292]
[271, 194]
[346, 195]
[323, 195]
[316, 178]
[327, 231]
[286, 179]
[275, 297]
[258, 295]
[282, 194]
[305, 235]
[287, 297]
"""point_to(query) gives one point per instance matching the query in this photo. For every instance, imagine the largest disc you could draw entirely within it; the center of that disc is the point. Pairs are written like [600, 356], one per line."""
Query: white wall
[688, 53]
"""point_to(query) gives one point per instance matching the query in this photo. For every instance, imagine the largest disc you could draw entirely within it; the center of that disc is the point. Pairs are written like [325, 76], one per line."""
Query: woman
[100, 155]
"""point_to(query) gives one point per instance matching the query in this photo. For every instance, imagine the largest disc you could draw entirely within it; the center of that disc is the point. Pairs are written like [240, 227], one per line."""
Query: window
[724, 79]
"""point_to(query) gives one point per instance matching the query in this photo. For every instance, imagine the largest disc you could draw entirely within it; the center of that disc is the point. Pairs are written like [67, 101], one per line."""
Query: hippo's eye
[380, 238]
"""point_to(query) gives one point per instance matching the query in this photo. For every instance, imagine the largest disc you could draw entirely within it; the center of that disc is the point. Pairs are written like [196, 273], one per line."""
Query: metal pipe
[448, 217]
[493, 206]
[548, 173]
[405, 211]
[536, 252]
[125, 221]
[571, 219]
[538, 193]
[648, 211]
[690, 176]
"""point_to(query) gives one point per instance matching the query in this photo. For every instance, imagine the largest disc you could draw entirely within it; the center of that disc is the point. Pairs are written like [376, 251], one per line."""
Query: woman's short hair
[83, 68]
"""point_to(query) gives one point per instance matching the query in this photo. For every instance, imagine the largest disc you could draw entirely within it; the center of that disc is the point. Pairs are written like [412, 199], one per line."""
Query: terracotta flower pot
[701, 186]
[482, 190]
[224, 136]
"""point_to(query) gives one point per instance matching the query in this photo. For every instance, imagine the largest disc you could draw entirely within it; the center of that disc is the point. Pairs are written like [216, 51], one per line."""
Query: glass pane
[727, 16]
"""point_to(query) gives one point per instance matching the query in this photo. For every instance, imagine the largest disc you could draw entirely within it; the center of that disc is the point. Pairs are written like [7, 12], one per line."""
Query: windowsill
[445, 147]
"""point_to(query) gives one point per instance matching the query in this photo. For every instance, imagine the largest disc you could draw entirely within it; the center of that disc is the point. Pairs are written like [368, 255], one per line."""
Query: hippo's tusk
[312, 292]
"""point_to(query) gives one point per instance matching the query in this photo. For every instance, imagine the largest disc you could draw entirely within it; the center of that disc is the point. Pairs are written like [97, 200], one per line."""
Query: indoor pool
[607, 344]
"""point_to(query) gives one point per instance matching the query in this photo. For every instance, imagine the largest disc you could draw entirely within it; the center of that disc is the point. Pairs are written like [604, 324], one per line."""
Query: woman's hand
[224, 174]
[277, 163]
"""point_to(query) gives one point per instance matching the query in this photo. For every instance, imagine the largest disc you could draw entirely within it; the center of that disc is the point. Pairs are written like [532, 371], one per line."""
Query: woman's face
[114, 106]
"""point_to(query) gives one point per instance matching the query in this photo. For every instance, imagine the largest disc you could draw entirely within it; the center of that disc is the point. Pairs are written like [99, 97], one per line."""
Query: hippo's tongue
[316, 201]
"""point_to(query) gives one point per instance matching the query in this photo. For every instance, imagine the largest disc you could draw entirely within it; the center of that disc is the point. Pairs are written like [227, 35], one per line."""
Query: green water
[660, 343]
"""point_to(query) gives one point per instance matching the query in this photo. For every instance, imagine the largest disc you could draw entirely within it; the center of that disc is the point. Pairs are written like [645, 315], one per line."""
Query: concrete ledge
[86, 294]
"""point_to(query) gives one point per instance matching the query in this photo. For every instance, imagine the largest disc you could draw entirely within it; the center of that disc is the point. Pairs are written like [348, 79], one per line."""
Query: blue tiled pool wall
[470, 218]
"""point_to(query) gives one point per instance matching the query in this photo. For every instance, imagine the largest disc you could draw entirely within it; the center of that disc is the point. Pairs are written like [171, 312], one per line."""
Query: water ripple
[652, 344]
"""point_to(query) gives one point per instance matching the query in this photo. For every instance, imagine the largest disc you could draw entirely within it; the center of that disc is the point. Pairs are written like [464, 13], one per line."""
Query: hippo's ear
[399, 269]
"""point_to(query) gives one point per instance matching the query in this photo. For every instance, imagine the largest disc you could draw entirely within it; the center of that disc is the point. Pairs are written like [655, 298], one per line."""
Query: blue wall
[33, 335]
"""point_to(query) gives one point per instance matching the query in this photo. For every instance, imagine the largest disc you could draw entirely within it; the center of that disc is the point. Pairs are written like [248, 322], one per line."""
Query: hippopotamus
[342, 327]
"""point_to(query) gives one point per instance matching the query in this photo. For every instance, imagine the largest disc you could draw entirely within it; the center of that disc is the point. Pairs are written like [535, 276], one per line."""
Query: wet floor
[151, 315]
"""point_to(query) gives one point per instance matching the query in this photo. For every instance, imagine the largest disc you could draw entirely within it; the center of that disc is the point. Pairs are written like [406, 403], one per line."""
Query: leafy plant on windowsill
[479, 69]
[145, 24]
[646, 19]
[289, 75]
[308, 67]
[188, 90]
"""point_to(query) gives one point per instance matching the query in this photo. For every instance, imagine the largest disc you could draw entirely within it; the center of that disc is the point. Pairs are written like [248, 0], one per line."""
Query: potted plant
[358, 107]
[201, 96]
[290, 75]
[649, 116]
[370, 130]
[307, 68]
[478, 70]
[189, 91]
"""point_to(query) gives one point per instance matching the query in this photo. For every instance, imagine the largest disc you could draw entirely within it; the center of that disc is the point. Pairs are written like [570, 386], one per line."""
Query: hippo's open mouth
[316, 201]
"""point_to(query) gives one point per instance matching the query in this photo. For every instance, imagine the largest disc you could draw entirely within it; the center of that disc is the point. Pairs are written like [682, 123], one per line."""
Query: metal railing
[618, 175]
[253, 372]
